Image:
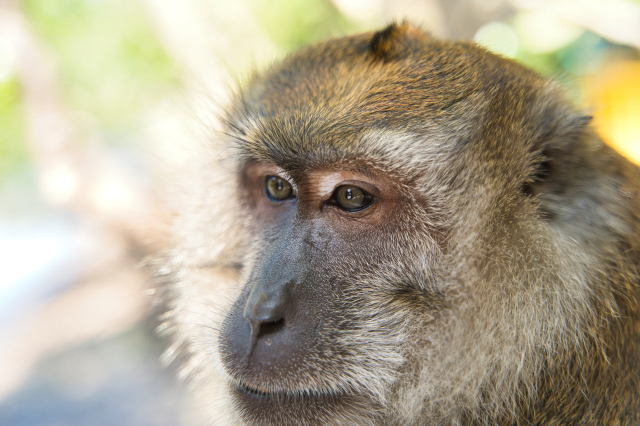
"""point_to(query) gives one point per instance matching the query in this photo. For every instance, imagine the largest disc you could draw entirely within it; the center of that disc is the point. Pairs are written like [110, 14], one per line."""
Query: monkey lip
[256, 391]
[259, 391]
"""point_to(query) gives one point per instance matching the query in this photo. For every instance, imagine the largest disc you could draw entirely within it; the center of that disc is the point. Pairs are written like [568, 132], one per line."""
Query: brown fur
[502, 290]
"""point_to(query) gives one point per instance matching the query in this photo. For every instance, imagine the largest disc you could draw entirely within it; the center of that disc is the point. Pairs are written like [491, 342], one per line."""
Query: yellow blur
[615, 93]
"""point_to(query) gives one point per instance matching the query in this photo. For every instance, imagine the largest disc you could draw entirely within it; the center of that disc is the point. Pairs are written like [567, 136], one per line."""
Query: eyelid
[284, 175]
[367, 187]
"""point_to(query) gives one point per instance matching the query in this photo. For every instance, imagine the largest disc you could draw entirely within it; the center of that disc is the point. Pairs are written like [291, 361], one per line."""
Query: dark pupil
[352, 198]
[349, 194]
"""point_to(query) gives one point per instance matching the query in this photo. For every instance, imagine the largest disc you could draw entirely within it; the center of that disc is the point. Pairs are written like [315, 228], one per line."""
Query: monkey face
[291, 340]
[408, 231]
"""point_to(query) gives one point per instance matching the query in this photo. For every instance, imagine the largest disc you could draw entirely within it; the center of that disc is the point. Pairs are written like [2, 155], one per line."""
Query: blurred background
[100, 99]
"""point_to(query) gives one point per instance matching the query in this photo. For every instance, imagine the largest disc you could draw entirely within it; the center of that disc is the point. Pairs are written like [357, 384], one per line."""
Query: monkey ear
[388, 43]
[554, 153]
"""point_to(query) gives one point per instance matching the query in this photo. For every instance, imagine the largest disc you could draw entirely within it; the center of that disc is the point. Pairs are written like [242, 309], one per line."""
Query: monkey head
[400, 230]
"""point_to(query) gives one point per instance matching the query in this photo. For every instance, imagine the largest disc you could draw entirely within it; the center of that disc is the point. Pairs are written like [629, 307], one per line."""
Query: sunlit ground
[99, 100]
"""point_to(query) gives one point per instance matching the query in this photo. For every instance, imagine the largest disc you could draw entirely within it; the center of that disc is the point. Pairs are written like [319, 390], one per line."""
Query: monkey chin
[286, 408]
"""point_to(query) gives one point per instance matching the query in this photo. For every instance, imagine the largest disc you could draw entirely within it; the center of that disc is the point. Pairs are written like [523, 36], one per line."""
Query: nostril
[266, 311]
[270, 327]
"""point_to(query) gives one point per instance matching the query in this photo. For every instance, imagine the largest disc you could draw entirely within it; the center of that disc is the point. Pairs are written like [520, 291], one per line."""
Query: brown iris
[278, 189]
[351, 198]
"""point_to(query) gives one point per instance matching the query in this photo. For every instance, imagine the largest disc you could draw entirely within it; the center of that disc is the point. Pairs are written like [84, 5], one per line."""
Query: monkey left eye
[351, 198]
[278, 189]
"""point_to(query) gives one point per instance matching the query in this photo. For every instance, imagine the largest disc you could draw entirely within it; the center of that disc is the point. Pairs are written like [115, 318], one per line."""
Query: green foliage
[546, 64]
[13, 149]
[110, 62]
[295, 23]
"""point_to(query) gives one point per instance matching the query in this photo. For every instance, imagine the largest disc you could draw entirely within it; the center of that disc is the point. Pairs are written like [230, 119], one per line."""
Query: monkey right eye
[277, 189]
[351, 198]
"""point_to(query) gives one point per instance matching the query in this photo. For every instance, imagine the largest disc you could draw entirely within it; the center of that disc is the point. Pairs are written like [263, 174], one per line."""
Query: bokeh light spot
[498, 37]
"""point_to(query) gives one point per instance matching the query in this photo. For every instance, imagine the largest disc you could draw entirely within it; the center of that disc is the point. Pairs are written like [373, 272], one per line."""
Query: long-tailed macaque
[401, 230]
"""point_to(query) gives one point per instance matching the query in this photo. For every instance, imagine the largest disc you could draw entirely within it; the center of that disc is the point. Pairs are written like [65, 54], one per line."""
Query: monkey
[394, 229]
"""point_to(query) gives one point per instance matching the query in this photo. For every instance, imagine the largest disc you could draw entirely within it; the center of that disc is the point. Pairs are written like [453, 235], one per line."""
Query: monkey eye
[351, 198]
[277, 189]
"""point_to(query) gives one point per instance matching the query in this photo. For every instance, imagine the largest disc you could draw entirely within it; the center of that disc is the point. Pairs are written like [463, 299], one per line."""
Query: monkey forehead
[319, 102]
[319, 105]
[397, 77]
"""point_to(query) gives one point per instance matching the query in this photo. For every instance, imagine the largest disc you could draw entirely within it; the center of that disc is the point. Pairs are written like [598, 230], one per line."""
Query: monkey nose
[266, 312]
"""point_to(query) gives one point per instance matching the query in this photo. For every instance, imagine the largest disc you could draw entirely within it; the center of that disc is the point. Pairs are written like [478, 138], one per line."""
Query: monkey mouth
[255, 391]
[278, 407]
[260, 392]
